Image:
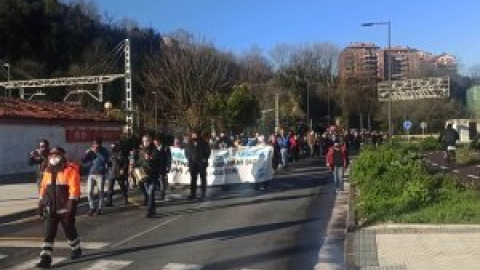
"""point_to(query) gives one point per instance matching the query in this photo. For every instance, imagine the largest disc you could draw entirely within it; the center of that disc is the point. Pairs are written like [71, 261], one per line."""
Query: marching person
[146, 169]
[165, 164]
[197, 153]
[98, 158]
[337, 161]
[59, 195]
[118, 168]
[39, 157]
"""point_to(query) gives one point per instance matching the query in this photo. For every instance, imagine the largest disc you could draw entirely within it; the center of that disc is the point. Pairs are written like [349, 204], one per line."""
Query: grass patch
[393, 186]
[467, 156]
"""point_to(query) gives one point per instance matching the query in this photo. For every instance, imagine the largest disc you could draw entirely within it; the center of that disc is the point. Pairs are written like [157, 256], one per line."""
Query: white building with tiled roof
[23, 123]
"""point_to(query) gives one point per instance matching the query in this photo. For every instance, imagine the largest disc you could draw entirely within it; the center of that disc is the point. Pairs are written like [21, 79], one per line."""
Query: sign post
[424, 126]
[407, 125]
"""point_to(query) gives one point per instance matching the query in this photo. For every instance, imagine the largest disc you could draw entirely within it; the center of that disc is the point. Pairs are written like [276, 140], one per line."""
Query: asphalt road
[241, 228]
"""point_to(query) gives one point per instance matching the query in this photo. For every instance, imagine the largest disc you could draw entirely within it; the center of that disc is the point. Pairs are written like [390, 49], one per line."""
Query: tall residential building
[365, 59]
[359, 60]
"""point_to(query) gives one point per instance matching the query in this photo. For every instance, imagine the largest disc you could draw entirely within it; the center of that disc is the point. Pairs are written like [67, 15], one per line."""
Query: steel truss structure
[413, 89]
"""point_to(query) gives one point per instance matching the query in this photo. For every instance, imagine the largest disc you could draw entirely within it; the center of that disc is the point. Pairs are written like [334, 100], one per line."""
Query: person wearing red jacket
[337, 161]
[59, 194]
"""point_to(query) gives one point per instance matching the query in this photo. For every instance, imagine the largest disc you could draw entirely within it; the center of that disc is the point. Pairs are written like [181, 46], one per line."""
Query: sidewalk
[418, 247]
[19, 201]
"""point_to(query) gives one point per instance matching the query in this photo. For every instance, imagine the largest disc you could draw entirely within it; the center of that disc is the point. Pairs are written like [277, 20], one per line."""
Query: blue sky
[436, 26]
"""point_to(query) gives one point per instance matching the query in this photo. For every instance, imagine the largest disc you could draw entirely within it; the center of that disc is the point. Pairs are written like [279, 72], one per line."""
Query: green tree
[242, 108]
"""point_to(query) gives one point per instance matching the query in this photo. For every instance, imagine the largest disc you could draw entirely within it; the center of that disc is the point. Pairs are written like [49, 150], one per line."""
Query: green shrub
[393, 185]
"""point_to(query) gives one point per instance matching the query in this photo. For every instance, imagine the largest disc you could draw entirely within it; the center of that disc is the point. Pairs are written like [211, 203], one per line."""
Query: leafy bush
[393, 184]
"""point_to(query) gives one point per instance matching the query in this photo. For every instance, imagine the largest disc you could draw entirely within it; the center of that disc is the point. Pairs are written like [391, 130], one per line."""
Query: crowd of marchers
[145, 167]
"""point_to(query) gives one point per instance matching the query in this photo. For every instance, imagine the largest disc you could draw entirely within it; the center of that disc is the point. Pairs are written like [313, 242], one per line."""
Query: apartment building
[398, 63]
[359, 60]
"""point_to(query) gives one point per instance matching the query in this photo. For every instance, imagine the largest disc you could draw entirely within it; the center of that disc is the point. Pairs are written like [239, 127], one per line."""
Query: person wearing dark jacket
[197, 152]
[165, 164]
[448, 137]
[148, 164]
[117, 172]
[59, 194]
[97, 156]
[39, 158]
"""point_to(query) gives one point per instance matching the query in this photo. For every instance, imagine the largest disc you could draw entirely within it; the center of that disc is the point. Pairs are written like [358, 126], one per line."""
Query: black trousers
[195, 170]
[67, 221]
[163, 183]
[122, 182]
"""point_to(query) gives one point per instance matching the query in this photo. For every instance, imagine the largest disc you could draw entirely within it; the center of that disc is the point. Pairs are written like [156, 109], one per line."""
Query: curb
[349, 249]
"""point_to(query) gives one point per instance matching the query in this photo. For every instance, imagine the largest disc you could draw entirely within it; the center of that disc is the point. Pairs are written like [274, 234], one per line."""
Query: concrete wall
[17, 141]
[462, 127]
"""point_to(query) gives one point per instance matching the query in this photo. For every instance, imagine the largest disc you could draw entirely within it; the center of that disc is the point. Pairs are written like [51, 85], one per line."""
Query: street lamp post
[156, 108]
[388, 24]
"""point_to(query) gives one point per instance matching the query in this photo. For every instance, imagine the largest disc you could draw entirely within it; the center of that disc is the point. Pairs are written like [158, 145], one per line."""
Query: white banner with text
[245, 165]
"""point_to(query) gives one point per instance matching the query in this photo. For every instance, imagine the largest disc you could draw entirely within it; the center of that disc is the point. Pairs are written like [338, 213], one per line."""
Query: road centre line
[154, 227]
[3, 256]
[473, 176]
[456, 171]
[434, 164]
[444, 168]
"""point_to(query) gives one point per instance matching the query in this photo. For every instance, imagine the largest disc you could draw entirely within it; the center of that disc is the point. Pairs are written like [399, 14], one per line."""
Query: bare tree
[184, 78]
[307, 69]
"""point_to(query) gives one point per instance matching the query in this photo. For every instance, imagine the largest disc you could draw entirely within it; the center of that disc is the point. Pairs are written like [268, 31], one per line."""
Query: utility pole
[155, 112]
[277, 114]
[128, 89]
[7, 91]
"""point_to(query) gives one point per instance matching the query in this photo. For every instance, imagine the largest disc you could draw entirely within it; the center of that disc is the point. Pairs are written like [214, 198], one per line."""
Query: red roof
[16, 108]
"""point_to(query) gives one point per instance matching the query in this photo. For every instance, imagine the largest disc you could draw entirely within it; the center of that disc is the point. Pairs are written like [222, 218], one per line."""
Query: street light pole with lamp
[388, 64]
[156, 110]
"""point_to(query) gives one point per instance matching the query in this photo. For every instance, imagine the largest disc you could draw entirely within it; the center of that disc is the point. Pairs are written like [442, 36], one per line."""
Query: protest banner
[245, 165]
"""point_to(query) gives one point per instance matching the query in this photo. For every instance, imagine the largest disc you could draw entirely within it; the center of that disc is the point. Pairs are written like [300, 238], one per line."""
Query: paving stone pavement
[417, 247]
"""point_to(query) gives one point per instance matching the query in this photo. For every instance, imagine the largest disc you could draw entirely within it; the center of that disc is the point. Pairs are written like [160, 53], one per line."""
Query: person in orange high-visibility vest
[59, 195]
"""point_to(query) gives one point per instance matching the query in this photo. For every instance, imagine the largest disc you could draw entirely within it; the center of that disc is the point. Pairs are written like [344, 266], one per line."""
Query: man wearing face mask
[59, 195]
[197, 153]
[149, 161]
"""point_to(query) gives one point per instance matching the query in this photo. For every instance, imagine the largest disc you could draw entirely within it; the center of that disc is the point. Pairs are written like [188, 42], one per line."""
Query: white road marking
[456, 171]
[478, 166]
[31, 264]
[443, 167]
[434, 164]
[60, 244]
[473, 176]
[108, 265]
[179, 266]
[154, 227]
[3, 256]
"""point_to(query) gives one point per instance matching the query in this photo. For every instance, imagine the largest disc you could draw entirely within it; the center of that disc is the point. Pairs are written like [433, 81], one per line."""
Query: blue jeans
[284, 154]
[95, 180]
[338, 177]
[150, 187]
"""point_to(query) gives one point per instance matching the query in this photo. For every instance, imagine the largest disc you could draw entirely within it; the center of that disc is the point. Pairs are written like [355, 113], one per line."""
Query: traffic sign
[407, 124]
